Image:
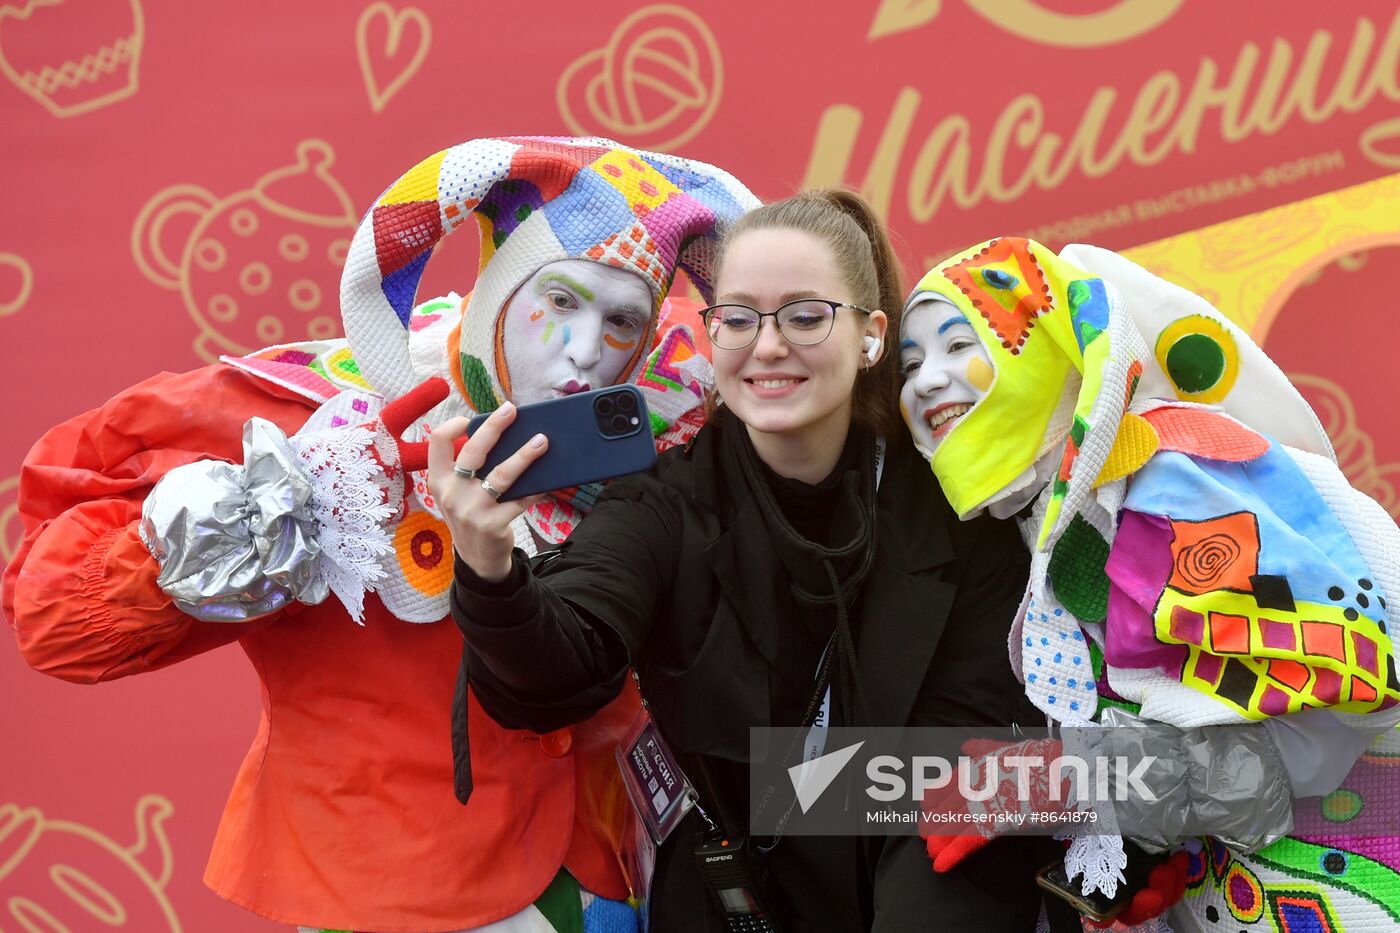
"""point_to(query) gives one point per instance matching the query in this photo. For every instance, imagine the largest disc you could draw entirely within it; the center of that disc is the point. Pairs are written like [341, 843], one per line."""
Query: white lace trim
[349, 504]
[1100, 859]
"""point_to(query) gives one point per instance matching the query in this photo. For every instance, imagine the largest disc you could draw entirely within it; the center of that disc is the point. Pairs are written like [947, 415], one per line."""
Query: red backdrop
[181, 180]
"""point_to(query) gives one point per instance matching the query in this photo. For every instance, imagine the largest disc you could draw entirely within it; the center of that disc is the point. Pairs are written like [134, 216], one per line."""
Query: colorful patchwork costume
[1197, 557]
[229, 503]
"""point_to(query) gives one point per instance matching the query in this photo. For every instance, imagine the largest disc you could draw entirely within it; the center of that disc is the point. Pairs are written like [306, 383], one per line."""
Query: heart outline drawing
[396, 22]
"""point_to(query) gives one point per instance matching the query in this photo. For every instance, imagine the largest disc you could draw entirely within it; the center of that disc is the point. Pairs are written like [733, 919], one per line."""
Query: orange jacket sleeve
[81, 591]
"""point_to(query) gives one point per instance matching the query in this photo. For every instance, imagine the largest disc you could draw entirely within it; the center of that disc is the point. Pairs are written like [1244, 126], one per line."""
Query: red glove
[1166, 884]
[1010, 808]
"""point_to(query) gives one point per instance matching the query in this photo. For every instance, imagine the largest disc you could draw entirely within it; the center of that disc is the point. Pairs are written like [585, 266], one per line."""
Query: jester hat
[1069, 350]
[536, 200]
[1064, 393]
[1064, 368]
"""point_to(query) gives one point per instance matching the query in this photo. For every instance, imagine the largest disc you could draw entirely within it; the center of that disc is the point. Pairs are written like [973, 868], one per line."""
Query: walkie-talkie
[729, 875]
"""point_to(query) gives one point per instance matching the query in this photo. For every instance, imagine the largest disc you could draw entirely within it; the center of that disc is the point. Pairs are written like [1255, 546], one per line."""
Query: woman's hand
[479, 522]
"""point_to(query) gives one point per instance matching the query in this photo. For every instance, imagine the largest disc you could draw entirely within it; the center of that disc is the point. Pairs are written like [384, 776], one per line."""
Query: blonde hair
[860, 244]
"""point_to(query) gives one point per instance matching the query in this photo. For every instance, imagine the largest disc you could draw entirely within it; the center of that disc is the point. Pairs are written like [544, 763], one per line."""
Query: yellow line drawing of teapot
[258, 267]
[60, 875]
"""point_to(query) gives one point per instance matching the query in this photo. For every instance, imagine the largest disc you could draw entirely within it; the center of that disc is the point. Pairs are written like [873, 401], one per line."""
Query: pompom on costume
[344, 815]
[1197, 555]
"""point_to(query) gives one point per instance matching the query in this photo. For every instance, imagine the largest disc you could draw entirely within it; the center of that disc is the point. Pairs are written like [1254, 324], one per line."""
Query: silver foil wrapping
[236, 542]
[1225, 781]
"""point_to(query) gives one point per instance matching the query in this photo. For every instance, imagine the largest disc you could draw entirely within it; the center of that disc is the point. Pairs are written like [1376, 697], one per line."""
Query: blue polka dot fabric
[1055, 661]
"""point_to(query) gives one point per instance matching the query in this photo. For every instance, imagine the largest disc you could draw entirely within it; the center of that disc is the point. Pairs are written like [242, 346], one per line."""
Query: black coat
[669, 574]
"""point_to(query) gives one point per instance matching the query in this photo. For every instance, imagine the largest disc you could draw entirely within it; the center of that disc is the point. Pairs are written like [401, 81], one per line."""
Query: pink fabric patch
[1278, 635]
[292, 374]
[294, 357]
[1274, 702]
[1365, 654]
[1208, 667]
[1139, 564]
[679, 211]
[1327, 687]
[1188, 626]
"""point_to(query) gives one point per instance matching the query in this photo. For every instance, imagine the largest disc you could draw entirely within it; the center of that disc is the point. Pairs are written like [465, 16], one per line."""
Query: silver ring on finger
[492, 491]
[464, 472]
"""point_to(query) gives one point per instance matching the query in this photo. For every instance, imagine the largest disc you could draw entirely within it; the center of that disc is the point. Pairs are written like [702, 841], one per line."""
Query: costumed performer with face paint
[1197, 558]
[765, 574]
[226, 504]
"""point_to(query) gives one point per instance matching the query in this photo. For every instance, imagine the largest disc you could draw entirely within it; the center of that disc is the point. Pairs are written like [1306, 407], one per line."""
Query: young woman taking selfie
[797, 533]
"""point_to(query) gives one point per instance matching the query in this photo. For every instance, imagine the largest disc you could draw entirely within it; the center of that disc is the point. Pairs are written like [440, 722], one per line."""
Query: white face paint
[946, 370]
[572, 326]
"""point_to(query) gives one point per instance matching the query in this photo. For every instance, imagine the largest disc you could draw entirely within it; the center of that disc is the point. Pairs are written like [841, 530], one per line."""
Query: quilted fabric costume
[343, 815]
[1196, 552]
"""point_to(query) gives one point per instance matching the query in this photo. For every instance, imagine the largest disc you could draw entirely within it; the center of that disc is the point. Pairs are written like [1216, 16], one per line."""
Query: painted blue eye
[998, 278]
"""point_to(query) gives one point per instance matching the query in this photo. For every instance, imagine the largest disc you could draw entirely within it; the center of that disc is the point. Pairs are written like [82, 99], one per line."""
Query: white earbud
[872, 348]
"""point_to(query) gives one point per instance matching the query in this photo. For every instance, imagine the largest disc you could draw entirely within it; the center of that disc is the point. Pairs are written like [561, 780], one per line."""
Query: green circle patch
[1195, 363]
[1342, 805]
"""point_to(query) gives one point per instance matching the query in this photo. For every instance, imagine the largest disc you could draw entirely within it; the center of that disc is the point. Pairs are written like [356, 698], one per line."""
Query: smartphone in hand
[1096, 906]
[593, 436]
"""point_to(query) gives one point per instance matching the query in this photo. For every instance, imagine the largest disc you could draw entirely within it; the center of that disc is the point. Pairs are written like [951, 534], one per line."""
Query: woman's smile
[941, 418]
[773, 385]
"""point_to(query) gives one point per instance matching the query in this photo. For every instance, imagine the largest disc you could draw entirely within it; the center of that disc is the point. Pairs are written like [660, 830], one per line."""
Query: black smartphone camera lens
[618, 413]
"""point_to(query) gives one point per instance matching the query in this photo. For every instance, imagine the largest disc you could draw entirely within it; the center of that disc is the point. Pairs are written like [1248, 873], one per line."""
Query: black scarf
[821, 577]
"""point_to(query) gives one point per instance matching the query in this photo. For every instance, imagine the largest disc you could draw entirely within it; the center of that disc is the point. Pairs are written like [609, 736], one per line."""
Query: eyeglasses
[803, 323]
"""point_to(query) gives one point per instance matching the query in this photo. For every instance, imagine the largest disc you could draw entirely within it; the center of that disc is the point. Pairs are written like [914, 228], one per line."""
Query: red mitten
[1017, 803]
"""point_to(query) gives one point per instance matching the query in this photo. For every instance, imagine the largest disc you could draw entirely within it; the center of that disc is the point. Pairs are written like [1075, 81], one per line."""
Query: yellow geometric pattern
[639, 183]
[419, 183]
[1267, 662]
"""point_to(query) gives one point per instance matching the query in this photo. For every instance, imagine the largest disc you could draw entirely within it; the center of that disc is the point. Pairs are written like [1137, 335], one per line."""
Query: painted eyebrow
[951, 322]
[583, 291]
[746, 298]
[907, 344]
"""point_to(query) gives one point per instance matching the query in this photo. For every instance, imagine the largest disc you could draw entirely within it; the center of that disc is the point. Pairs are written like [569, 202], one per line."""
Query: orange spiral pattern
[1207, 560]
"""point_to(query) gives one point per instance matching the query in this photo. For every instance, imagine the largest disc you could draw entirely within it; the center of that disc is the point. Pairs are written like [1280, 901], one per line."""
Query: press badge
[658, 789]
